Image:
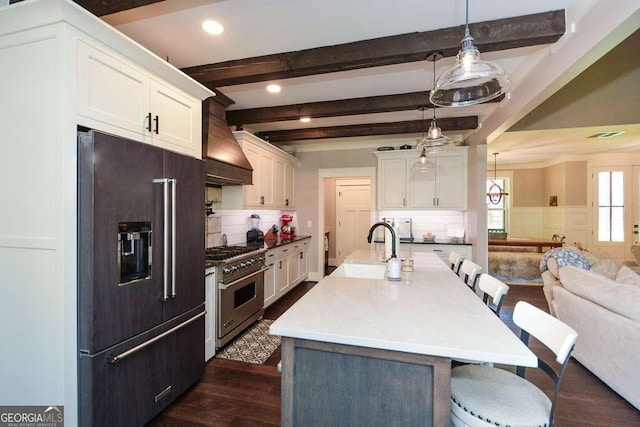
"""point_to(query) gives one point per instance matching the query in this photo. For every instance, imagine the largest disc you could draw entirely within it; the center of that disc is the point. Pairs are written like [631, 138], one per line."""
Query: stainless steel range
[240, 294]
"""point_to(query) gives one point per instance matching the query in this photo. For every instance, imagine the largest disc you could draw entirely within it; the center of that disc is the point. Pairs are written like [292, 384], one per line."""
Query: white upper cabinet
[273, 177]
[116, 96]
[445, 188]
[392, 177]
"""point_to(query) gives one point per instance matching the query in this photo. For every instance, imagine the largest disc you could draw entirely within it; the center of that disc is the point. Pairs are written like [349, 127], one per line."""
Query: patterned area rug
[255, 345]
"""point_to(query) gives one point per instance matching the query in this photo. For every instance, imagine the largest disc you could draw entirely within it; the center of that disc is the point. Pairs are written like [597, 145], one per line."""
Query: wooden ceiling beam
[342, 107]
[107, 7]
[501, 34]
[369, 129]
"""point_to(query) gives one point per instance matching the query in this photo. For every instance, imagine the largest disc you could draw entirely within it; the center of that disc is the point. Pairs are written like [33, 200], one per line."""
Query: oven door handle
[242, 279]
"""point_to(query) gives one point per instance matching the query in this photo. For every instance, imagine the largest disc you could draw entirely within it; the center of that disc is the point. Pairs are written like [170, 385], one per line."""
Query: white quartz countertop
[430, 311]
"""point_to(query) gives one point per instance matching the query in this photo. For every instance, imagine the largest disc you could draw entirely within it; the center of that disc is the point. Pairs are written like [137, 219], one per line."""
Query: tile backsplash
[438, 222]
[235, 223]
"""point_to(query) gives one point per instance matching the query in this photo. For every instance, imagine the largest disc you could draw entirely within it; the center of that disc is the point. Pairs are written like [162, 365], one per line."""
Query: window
[611, 206]
[497, 214]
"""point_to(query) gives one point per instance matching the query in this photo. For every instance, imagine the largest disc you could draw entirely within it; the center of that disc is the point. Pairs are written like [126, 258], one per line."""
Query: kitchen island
[377, 352]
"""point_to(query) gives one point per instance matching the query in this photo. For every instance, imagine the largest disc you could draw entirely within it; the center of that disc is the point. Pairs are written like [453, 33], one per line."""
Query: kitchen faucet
[393, 236]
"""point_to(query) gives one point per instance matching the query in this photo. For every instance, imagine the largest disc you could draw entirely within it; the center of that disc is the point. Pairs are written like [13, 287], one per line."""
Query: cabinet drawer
[134, 390]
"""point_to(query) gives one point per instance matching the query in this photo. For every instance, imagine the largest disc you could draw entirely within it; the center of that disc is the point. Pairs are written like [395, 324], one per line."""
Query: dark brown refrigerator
[141, 278]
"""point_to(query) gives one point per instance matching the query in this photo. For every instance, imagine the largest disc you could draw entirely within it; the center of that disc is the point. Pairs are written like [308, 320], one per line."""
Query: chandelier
[495, 193]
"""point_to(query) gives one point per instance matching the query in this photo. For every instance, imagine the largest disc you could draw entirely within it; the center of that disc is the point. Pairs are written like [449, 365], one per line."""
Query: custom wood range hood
[225, 162]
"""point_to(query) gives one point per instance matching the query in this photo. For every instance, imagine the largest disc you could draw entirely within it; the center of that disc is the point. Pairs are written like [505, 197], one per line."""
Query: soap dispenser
[393, 269]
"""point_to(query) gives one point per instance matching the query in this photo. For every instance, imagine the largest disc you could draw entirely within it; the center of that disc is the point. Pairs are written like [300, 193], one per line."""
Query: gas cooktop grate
[219, 253]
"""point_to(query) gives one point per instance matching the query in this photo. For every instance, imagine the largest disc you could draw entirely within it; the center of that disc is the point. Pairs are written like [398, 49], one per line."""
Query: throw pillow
[564, 256]
[628, 276]
[606, 267]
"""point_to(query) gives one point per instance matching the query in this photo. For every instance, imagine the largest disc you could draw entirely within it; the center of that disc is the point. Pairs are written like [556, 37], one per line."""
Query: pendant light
[470, 81]
[495, 192]
[424, 167]
[435, 142]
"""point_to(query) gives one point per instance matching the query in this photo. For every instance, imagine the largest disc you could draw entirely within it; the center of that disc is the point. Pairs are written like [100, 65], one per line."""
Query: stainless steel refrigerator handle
[115, 359]
[165, 188]
[173, 181]
[228, 285]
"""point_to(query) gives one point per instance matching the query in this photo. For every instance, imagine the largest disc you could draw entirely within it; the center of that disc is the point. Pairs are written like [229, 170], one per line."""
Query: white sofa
[606, 315]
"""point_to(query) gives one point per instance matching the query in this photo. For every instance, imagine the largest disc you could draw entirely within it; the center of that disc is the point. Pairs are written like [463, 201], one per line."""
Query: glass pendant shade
[470, 81]
[435, 142]
[423, 168]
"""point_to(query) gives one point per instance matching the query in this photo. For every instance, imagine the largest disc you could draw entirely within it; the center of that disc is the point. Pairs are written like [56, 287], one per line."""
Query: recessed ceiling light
[274, 88]
[305, 119]
[212, 27]
[606, 135]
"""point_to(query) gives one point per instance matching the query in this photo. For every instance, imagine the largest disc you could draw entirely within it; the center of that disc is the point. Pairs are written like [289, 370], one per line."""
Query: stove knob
[234, 268]
[226, 270]
[243, 264]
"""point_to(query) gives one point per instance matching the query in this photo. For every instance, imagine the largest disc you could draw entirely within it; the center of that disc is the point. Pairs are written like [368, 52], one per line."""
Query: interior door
[115, 185]
[353, 208]
[189, 233]
[613, 206]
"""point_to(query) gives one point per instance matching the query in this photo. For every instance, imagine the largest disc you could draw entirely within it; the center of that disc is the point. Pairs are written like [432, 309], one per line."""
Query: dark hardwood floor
[241, 394]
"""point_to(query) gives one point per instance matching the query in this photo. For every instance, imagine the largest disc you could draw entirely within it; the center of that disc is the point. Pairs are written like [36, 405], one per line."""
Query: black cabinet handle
[149, 122]
[262, 200]
[157, 121]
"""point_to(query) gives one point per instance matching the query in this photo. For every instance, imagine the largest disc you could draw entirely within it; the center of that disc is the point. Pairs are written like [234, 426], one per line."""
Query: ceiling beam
[501, 34]
[369, 129]
[342, 107]
[107, 7]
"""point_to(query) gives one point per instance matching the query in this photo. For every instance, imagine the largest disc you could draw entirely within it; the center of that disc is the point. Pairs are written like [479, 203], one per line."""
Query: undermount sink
[361, 271]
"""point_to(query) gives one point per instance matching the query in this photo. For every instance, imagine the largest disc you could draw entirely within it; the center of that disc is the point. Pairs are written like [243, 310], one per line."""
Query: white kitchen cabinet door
[421, 189]
[252, 192]
[294, 267]
[111, 92]
[282, 273]
[451, 182]
[303, 262]
[260, 193]
[392, 175]
[270, 291]
[266, 177]
[289, 178]
[279, 171]
[172, 118]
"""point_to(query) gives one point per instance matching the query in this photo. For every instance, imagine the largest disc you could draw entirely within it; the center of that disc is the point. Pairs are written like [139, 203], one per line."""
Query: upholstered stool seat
[483, 396]
[505, 398]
